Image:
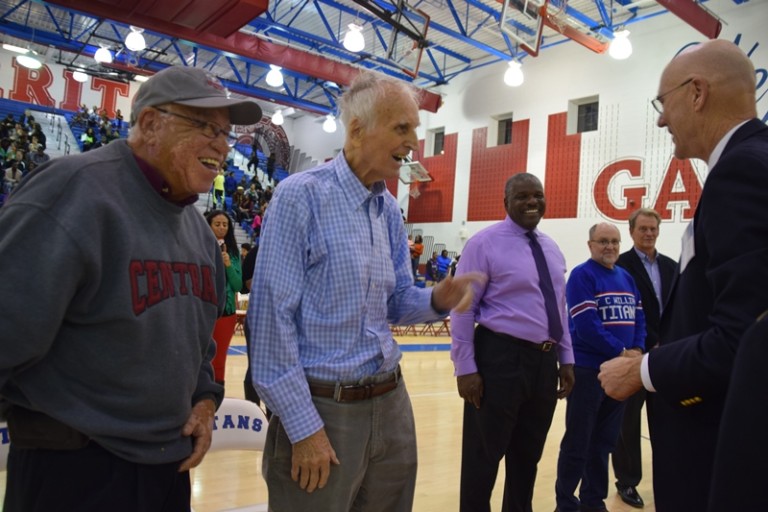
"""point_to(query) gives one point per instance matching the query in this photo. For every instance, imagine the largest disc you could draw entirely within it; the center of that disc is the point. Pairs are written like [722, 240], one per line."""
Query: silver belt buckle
[547, 346]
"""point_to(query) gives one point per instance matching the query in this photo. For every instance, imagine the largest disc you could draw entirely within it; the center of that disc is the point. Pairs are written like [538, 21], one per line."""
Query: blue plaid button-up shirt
[333, 271]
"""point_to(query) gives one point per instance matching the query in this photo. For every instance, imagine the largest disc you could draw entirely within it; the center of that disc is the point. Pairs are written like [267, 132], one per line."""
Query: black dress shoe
[630, 496]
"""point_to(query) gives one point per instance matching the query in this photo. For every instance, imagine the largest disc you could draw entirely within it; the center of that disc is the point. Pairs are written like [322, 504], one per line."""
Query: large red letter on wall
[490, 168]
[31, 85]
[73, 91]
[633, 196]
[109, 97]
[561, 178]
[690, 193]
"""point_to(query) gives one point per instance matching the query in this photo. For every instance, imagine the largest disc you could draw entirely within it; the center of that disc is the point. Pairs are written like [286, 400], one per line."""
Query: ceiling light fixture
[354, 40]
[274, 77]
[277, 118]
[103, 55]
[14, 48]
[134, 41]
[141, 78]
[29, 61]
[621, 46]
[80, 76]
[329, 125]
[513, 76]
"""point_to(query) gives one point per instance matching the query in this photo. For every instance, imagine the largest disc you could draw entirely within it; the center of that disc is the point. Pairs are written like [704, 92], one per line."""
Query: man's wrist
[434, 306]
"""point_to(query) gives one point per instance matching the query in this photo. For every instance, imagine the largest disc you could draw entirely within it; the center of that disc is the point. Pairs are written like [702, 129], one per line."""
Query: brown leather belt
[355, 392]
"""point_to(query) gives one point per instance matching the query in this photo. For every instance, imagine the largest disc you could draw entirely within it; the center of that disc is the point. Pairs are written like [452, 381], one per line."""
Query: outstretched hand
[456, 292]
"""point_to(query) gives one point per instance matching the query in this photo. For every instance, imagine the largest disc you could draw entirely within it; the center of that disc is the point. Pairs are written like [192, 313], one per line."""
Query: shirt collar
[354, 189]
[157, 182]
[517, 228]
[644, 257]
[718, 151]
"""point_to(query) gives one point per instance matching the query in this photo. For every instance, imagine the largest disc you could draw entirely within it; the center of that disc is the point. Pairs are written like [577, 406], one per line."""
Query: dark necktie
[545, 283]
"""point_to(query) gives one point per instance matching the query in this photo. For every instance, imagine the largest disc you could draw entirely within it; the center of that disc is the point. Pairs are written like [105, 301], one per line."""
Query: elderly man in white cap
[105, 373]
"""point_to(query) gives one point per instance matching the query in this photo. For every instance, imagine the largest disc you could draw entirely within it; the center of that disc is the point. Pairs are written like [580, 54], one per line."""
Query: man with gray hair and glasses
[707, 102]
[106, 348]
[334, 270]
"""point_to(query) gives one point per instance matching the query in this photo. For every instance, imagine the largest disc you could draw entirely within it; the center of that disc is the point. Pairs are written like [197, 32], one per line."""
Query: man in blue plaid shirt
[333, 272]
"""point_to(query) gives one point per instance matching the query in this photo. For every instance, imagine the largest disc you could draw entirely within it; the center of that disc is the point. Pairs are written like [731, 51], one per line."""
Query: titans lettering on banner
[239, 422]
[155, 281]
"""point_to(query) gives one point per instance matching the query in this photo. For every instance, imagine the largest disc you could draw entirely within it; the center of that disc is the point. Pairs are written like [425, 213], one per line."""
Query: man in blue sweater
[606, 320]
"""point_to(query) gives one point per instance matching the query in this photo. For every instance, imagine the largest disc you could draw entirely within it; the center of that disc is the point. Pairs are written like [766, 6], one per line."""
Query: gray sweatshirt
[108, 298]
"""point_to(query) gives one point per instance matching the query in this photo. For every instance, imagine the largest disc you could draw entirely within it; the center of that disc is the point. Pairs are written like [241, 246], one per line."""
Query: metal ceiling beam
[252, 47]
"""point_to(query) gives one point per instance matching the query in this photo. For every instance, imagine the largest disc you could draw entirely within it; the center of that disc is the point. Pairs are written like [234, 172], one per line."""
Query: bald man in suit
[707, 102]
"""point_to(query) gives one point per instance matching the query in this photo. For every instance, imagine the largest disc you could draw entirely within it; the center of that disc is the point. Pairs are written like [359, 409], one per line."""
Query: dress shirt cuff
[645, 374]
[432, 305]
[464, 367]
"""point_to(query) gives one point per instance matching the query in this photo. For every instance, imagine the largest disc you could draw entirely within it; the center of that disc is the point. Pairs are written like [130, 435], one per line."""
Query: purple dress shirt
[510, 301]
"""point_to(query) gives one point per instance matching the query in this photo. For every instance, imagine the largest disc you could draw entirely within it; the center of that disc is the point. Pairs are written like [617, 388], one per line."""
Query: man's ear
[701, 91]
[355, 130]
[148, 122]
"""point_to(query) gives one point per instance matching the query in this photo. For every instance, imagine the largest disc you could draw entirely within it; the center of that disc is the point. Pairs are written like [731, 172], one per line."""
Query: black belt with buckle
[355, 392]
[544, 346]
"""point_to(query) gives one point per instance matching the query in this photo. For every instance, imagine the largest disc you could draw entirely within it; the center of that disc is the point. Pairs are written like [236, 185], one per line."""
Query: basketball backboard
[523, 21]
[403, 48]
[413, 172]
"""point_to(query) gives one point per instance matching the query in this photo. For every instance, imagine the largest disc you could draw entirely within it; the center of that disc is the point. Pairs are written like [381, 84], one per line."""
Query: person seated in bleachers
[88, 139]
[237, 197]
[245, 208]
[19, 135]
[109, 134]
[33, 145]
[118, 120]
[230, 184]
[431, 270]
[12, 177]
[443, 265]
[37, 131]
[5, 143]
[256, 223]
[39, 157]
[15, 155]
[253, 193]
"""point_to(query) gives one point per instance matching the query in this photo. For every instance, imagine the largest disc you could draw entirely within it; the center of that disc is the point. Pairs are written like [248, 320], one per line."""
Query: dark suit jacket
[742, 447]
[632, 263]
[722, 288]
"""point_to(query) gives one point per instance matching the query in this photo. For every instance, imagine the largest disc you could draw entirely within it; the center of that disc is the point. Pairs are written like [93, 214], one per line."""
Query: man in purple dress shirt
[507, 367]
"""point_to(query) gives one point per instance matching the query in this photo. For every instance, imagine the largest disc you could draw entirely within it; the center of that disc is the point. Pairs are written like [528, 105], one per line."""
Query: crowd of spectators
[99, 129]
[22, 148]
[248, 200]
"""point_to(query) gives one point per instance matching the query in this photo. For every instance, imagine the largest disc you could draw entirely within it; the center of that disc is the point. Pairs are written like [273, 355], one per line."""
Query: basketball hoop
[414, 192]
[558, 14]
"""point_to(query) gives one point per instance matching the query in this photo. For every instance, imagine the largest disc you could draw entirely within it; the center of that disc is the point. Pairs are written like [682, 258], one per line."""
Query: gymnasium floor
[227, 480]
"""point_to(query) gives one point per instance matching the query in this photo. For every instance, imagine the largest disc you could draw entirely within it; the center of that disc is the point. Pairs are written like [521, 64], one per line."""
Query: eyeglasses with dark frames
[210, 130]
[656, 102]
